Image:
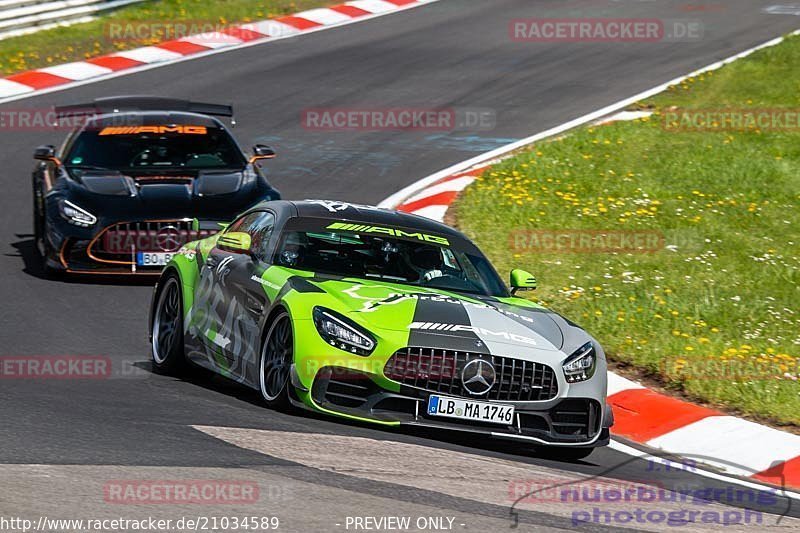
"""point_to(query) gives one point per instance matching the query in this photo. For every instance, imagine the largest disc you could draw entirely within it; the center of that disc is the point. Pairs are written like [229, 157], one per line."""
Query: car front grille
[118, 243]
[437, 370]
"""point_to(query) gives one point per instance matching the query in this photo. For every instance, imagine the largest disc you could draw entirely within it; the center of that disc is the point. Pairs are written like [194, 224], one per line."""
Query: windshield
[154, 147]
[398, 255]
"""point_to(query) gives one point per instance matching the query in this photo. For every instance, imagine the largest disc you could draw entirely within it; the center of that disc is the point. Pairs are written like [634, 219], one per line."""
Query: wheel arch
[277, 309]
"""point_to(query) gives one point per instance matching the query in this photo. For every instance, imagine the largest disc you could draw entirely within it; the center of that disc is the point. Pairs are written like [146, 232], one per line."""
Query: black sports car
[120, 195]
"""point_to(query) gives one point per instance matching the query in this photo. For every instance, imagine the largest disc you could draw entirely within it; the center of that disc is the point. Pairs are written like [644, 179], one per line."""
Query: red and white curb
[433, 201]
[742, 447]
[729, 444]
[94, 69]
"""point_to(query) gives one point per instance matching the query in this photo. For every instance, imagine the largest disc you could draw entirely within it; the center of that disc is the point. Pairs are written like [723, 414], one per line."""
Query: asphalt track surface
[453, 53]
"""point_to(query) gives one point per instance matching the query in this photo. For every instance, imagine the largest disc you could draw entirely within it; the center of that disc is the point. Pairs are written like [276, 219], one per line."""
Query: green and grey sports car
[383, 317]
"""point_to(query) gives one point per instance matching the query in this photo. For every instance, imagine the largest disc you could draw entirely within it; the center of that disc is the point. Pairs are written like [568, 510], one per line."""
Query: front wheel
[40, 232]
[277, 356]
[167, 342]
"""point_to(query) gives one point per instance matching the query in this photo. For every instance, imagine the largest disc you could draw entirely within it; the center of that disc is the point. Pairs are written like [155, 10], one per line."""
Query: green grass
[715, 315]
[82, 41]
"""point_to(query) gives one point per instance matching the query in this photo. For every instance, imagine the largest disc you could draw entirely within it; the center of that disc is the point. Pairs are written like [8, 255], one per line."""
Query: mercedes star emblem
[168, 239]
[478, 377]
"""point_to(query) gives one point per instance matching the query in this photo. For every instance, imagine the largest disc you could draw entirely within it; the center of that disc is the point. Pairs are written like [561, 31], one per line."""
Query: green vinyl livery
[382, 317]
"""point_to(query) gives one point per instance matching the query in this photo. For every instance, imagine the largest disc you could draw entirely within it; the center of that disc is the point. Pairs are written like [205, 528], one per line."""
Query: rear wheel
[277, 356]
[167, 343]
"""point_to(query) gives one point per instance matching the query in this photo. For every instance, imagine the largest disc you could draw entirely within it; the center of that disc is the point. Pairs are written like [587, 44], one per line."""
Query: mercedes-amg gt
[383, 317]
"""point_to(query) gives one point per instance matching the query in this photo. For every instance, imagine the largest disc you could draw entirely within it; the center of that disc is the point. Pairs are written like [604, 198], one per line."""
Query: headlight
[343, 333]
[75, 215]
[580, 365]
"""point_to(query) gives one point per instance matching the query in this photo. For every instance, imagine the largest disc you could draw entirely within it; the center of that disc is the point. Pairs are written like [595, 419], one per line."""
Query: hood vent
[164, 180]
[217, 183]
[109, 184]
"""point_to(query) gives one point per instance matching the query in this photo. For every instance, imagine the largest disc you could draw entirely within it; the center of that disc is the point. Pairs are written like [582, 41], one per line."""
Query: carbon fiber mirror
[45, 152]
[262, 151]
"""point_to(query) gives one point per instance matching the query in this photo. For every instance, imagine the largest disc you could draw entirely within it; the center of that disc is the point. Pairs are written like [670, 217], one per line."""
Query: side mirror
[237, 242]
[46, 152]
[522, 281]
[262, 151]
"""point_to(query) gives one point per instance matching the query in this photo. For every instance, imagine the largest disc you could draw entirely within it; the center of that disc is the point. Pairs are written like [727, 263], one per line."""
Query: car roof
[338, 210]
[151, 118]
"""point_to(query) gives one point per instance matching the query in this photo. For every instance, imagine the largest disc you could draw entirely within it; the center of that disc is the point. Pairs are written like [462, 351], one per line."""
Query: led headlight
[341, 332]
[580, 365]
[75, 215]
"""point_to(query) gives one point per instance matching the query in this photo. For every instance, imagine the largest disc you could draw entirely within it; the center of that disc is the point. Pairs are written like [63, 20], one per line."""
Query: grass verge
[703, 295]
[82, 41]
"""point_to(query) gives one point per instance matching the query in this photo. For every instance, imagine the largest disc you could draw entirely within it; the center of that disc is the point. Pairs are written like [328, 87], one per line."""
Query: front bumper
[83, 250]
[561, 421]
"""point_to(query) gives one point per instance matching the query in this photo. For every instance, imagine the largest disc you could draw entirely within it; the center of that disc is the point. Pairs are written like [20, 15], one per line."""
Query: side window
[242, 223]
[260, 232]
[62, 150]
[259, 226]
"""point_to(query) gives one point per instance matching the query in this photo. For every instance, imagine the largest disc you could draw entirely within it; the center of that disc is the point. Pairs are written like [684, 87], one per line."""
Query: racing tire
[167, 348]
[46, 253]
[40, 232]
[277, 356]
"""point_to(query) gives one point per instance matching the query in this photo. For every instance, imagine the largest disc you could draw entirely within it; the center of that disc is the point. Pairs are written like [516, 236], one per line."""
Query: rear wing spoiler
[117, 104]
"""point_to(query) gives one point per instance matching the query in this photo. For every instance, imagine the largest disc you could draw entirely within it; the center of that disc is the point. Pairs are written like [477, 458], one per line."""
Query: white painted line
[456, 185]
[629, 450]
[324, 16]
[625, 116]
[149, 54]
[79, 70]
[753, 446]
[433, 212]
[372, 6]
[398, 197]
[12, 88]
[617, 384]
